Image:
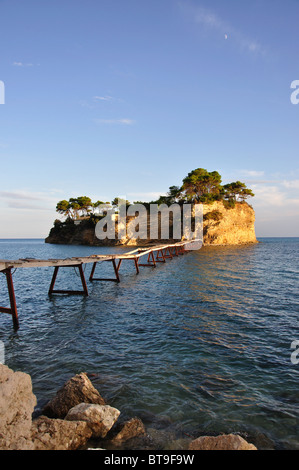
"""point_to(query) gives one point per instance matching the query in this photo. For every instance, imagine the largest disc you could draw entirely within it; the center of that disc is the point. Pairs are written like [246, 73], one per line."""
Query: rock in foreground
[225, 442]
[99, 418]
[77, 390]
[57, 434]
[128, 430]
[17, 403]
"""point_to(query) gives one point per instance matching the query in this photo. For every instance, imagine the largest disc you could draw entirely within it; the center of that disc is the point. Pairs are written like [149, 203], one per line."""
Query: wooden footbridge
[156, 254]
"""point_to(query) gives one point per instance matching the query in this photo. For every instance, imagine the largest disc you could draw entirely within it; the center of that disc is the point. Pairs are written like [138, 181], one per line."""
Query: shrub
[213, 215]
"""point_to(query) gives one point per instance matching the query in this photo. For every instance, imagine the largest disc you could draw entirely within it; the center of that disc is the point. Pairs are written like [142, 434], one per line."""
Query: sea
[204, 344]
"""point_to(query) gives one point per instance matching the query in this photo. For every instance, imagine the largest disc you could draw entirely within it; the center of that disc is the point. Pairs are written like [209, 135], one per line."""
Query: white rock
[100, 418]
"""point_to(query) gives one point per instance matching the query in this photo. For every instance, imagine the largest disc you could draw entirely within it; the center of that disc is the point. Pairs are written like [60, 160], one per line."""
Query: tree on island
[67, 208]
[119, 201]
[173, 196]
[100, 206]
[202, 186]
[237, 191]
[77, 207]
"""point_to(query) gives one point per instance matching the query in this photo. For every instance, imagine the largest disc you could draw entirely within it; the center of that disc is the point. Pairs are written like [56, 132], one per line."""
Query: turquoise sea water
[201, 344]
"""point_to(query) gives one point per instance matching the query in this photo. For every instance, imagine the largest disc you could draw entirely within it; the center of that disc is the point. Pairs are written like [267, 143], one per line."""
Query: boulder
[17, 404]
[58, 434]
[127, 430]
[99, 418]
[78, 389]
[225, 442]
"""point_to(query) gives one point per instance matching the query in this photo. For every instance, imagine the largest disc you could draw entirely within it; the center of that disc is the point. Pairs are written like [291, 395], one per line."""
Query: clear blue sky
[126, 97]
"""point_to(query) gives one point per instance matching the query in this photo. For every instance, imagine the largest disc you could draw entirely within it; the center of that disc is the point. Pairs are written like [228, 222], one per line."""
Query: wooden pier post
[169, 255]
[160, 258]
[12, 299]
[136, 265]
[150, 260]
[174, 251]
[181, 250]
[70, 292]
[115, 267]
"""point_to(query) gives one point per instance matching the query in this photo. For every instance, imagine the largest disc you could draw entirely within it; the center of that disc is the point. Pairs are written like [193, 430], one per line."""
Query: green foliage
[202, 186]
[118, 201]
[213, 215]
[57, 223]
[94, 218]
[237, 190]
[199, 186]
[63, 207]
[229, 203]
[76, 207]
[81, 204]
[98, 204]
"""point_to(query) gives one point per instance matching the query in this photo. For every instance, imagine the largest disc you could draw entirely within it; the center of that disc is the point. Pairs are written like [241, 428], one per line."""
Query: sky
[106, 98]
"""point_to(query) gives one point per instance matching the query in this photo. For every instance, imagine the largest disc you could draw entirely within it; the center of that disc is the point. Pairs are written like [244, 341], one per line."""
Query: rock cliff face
[224, 226]
[221, 226]
[17, 403]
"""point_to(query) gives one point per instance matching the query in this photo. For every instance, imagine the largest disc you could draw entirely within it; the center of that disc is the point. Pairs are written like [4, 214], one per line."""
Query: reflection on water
[201, 343]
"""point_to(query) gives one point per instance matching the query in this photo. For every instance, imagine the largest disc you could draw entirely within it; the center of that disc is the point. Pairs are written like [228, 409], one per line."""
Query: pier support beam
[181, 250]
[150, 260]
[160, 258]
[13, 305]
[70, 292]
[133, 258]
[169, 254]
[115, 267]
[174, 251]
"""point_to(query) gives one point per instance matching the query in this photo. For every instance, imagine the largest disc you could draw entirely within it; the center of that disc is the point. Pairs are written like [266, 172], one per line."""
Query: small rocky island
[228, 219]
[221, 226]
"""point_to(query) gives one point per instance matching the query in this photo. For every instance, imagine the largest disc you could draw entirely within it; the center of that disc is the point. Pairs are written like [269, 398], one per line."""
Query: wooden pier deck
[155, 254]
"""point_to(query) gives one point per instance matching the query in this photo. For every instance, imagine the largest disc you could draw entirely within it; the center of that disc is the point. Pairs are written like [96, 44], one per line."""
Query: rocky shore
[78, 417]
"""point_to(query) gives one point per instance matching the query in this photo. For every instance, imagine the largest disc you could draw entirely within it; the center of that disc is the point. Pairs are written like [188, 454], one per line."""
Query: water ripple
[202, 342]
